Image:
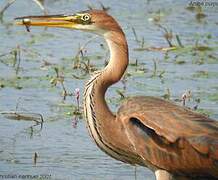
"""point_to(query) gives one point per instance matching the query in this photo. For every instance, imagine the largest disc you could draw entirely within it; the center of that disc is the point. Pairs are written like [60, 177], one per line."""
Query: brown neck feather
[98, 115]
[112, 73]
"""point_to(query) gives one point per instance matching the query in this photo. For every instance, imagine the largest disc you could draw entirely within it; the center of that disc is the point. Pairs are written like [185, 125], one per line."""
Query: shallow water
[65, 151]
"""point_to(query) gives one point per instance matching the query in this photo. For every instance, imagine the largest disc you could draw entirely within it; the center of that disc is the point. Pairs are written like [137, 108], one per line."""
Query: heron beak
[62, 21]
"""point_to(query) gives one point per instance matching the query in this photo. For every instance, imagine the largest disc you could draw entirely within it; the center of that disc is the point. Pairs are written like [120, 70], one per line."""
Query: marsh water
[35, 65]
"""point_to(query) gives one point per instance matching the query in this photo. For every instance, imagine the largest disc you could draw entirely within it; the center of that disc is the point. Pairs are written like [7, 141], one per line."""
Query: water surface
[65, 151]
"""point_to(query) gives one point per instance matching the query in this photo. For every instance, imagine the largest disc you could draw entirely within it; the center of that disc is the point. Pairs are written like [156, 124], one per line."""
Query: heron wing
[170, 136]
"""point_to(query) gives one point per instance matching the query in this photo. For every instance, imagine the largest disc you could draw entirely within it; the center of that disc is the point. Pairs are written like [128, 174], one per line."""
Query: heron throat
[97, 112]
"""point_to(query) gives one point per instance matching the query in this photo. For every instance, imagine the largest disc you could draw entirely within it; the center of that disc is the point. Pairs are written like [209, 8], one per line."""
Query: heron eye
[85, 17]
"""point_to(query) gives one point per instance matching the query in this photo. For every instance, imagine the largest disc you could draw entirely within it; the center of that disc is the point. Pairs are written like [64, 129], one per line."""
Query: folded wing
[171, 137]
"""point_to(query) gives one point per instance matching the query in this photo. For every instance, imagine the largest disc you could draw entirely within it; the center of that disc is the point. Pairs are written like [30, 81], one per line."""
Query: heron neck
[119, 58]
[97, 114]
[113, 72]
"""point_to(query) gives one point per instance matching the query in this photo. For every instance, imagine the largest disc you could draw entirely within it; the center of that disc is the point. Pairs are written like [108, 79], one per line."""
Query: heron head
[96, 21]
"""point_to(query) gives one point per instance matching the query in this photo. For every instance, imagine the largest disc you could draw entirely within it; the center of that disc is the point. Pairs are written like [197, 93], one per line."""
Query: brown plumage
[171, 140]
[171, 137]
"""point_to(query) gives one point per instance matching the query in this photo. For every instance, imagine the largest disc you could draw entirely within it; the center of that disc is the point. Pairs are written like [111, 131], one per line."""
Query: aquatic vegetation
[205, 74]
[5, 8]
[12, 58]
[204, 111]
[213, 97]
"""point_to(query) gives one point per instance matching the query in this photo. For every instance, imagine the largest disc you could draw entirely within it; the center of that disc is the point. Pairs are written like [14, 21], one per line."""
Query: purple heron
[171, 140]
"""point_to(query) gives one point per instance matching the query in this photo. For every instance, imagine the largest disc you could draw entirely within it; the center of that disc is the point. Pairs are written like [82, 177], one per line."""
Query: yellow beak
[63, 21]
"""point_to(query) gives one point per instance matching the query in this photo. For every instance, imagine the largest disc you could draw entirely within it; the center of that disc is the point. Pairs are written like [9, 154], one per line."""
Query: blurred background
[173, 50]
